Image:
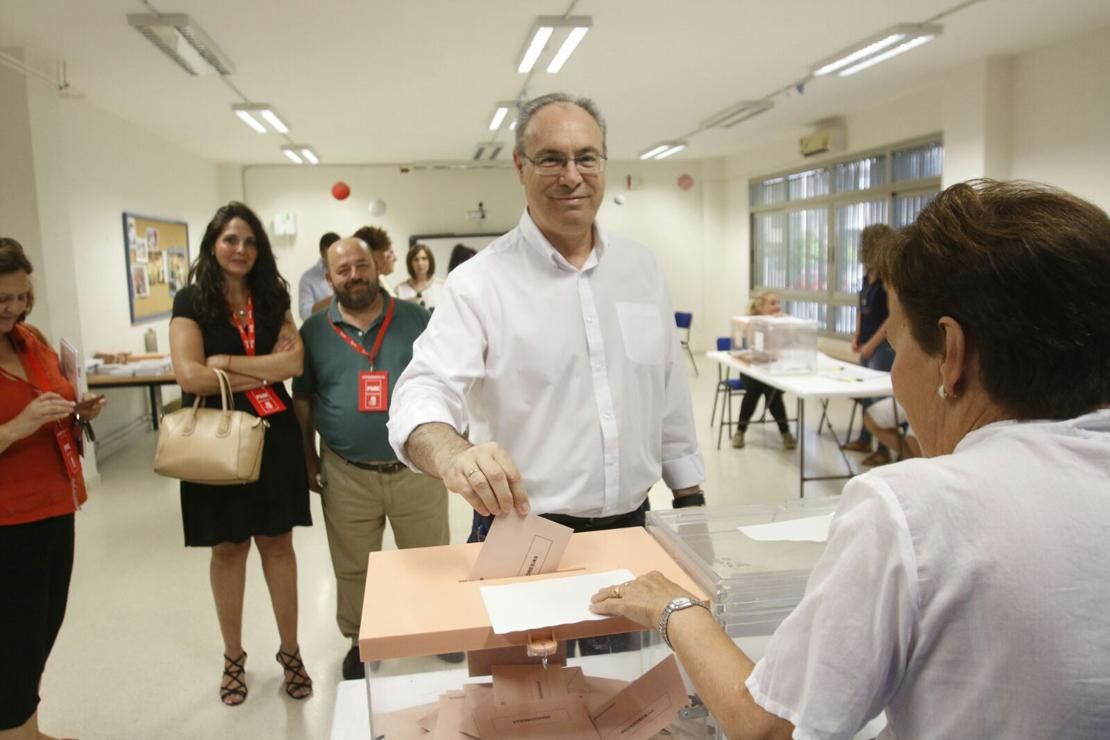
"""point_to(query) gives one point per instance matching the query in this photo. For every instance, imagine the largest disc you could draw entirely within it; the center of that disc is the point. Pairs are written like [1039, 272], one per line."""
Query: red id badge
[373, 390]
[265, 401]
[68, 447]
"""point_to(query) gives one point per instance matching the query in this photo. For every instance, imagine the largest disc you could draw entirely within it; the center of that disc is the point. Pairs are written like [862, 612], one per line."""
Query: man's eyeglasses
[555, 164]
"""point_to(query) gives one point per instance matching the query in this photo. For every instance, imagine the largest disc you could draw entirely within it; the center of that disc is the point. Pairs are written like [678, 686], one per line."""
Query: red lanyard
[246, 333]
[377, 342]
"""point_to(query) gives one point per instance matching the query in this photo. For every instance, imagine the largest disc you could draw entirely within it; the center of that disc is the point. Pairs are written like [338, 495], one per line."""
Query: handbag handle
[225, 403]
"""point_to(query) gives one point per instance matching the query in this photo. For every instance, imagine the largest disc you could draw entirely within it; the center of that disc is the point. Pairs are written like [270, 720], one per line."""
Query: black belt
[376, 467]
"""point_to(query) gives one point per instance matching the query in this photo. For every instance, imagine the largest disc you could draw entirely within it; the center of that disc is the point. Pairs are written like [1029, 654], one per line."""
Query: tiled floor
[139, 653]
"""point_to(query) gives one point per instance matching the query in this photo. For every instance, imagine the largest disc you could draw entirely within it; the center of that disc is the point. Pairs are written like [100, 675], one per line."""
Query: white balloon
[377, 207]
[618, 199]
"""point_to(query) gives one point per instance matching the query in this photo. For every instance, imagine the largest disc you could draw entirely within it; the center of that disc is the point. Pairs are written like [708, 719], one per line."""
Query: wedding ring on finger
[472, 472]
[615, 592]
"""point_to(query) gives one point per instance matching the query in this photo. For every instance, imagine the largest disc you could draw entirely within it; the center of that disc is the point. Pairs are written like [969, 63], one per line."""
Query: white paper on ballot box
[547, 602]
[809, 529]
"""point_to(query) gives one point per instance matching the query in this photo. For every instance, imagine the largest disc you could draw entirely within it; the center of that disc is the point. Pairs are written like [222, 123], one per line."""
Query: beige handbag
[218, 448]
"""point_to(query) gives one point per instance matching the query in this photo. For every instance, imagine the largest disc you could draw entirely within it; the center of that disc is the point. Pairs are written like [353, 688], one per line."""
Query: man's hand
[315, 482]
[42, 410]
[488, 479]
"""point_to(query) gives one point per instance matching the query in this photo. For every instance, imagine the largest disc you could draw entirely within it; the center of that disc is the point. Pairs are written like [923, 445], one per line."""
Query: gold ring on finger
[472, 472]
[615, 592]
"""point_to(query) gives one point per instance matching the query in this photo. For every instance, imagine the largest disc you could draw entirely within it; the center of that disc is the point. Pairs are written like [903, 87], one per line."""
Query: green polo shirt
[331, 372]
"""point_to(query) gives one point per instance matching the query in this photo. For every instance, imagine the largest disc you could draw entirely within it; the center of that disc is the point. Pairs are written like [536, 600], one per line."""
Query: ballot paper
[546, 602]
[645, 706]
[809, 529]
[564, 718]
[521, 546]
[518, 684]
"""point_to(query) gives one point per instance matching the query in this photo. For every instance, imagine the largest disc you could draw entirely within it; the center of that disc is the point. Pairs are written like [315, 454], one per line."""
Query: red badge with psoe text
[265, 401]
[373, 390]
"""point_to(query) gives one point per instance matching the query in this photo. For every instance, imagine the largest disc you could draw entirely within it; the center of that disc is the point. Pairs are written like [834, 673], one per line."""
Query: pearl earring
[942, 391]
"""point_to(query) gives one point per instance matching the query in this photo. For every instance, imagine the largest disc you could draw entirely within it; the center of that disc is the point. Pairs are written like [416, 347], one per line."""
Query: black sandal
[234, 669]
[299, 686]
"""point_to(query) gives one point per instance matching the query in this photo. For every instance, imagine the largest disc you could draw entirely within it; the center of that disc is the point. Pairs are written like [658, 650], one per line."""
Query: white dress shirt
[967, 594]
[312, 288]
[576, 372]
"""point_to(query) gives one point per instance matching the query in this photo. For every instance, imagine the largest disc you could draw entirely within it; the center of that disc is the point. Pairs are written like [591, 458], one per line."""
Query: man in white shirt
[313, 290]
[559, 339]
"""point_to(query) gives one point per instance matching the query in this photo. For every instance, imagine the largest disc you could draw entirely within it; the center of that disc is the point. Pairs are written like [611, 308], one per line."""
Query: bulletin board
[157, 264]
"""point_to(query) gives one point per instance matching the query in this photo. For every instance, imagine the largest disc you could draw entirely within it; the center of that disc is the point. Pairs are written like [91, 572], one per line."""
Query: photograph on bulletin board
[157, 264]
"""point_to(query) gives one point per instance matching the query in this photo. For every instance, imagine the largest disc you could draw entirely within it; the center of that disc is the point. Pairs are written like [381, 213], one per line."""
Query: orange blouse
[34, 483]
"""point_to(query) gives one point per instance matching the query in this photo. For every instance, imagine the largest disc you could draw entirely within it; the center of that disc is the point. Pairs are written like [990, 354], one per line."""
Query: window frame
[887, 192]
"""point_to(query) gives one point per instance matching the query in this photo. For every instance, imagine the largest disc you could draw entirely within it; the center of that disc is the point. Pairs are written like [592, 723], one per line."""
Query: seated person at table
[965, 592]
[763, 304]
[891, 429]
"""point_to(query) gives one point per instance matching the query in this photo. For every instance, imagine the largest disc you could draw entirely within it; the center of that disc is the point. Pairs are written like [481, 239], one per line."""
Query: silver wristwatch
[676, 604]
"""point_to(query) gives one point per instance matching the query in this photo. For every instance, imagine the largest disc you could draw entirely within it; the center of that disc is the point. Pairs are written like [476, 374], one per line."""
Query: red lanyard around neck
[377, 342]
[246, 333]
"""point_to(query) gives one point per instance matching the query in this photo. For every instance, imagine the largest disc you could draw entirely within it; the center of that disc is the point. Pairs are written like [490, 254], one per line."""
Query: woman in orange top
[40, 487]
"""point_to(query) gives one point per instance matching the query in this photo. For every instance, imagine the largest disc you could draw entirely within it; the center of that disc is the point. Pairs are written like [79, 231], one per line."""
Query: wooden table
[833, 379]
[153, 384]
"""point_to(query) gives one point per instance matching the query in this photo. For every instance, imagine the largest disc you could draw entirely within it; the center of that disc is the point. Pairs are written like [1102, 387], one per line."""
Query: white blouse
[966, 594]
[426, 298]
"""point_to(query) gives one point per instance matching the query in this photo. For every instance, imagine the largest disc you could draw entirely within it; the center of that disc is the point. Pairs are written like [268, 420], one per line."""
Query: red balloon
[340, 190]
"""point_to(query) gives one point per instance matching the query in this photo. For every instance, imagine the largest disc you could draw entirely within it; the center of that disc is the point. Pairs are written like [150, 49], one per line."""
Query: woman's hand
[287, 338]
[641, 600]
[43, 409]
[90, 405]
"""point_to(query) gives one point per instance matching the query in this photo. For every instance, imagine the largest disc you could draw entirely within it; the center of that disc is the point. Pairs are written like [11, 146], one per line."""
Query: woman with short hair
[964, 592]
[422, 287]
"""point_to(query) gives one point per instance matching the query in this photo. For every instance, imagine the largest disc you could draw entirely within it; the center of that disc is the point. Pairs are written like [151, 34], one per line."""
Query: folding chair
[683, 320]
[727, 387]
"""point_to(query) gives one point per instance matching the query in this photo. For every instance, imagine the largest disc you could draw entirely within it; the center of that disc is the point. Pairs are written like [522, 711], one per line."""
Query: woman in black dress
[234, 315]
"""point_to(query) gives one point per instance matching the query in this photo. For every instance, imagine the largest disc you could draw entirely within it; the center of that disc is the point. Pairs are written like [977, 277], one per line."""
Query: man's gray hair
[529, 108]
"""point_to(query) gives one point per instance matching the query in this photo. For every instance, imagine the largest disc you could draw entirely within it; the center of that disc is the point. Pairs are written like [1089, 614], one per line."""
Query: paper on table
[809, 529]
[521, 546]
[548, 602]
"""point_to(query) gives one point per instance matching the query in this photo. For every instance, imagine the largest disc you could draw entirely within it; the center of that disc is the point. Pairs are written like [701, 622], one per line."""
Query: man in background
[381, 247]
[313, 290]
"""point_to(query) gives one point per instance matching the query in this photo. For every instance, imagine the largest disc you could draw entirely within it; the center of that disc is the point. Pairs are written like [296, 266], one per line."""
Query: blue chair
[727, 387]
[683, 320]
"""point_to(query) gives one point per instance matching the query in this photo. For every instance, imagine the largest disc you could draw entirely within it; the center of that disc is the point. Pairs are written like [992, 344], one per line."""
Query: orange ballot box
[538, 663]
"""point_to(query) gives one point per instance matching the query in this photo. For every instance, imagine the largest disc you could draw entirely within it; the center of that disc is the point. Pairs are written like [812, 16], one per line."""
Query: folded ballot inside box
[777, 344]
[554, 671]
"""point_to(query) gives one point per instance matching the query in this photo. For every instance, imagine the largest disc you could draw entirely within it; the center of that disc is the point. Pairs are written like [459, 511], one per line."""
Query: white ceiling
[377, 81]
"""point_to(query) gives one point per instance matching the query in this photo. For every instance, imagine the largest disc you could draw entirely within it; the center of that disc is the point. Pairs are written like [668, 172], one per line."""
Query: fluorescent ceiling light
[298, 152]
[900, 49]
[567, 31]
[504, 112]
[487, 150]
[535, 47]
[742, 111]
[183, 41]
[498, 117]
[664, 150]
[250, 113]
[275, 122]
[246, 117]
[569, 45]
[650, 153]
[879, 47]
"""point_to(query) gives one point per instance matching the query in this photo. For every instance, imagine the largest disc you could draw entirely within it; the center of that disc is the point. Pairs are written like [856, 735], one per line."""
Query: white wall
[1061, 116]
[112, 167]
[655, 211]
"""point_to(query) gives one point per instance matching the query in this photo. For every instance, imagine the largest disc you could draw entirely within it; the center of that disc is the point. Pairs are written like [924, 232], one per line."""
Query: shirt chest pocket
[642, 332]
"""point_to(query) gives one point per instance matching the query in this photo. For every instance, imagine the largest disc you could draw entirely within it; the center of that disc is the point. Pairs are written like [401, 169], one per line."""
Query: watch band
[690, 499]
[676, 604]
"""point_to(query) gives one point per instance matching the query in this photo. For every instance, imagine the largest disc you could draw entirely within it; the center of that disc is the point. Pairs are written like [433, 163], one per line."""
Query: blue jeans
[881, 359]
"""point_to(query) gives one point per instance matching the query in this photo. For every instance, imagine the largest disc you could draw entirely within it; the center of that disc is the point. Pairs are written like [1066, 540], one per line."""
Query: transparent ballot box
[777, 344]
[436, 667]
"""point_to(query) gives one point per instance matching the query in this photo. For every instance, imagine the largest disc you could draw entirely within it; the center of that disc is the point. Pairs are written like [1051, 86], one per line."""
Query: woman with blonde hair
[764, 303]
